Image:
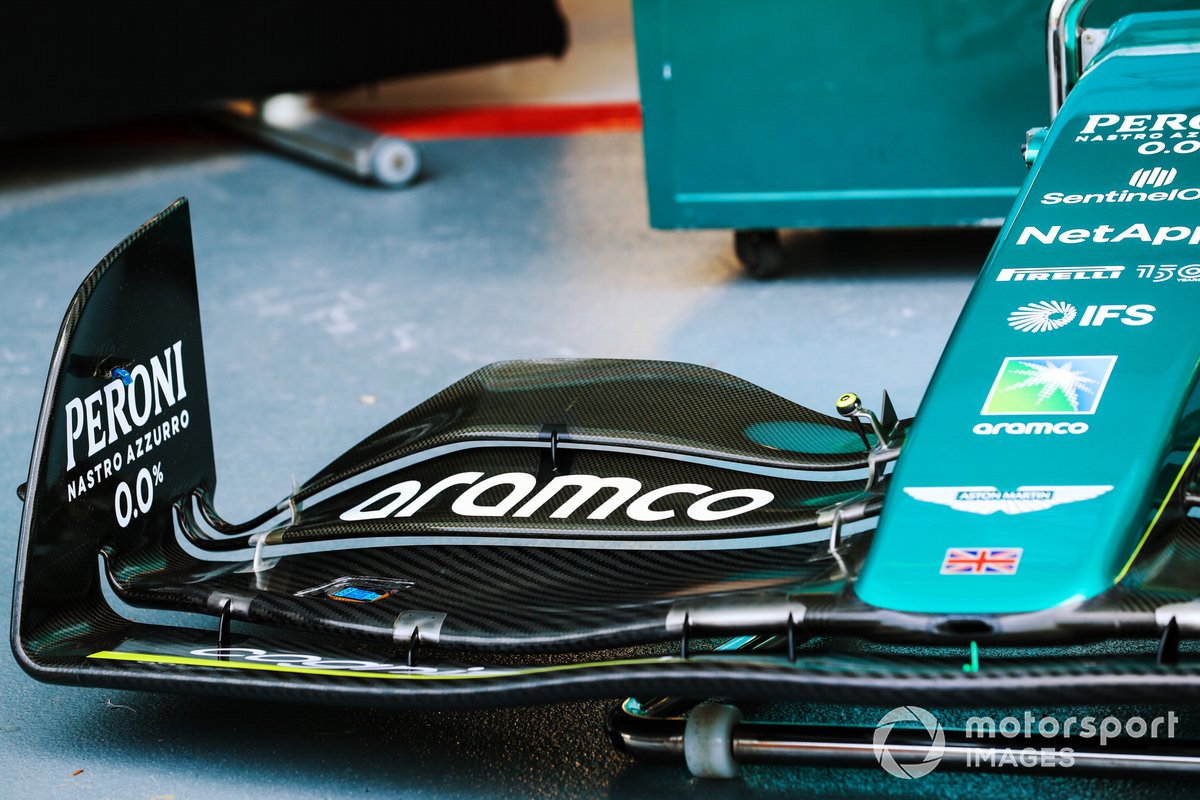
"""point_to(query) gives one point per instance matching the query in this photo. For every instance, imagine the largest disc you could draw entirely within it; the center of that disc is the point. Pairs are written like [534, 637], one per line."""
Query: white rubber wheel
[395, 162]
[708, 741]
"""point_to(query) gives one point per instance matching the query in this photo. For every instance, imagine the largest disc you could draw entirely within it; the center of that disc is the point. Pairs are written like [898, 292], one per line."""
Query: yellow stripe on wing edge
[1158, 514]
[153, 658]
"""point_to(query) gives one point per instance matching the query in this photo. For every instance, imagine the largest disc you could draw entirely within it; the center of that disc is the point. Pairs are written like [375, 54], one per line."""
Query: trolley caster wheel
[708, 741]
[760, 251]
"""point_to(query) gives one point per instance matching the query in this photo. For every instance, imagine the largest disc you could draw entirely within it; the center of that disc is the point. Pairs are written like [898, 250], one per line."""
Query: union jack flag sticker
[981, 561]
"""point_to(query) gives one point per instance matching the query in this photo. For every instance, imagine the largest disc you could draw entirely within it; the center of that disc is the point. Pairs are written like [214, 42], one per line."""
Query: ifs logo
[1050, 315]
[1049, 385]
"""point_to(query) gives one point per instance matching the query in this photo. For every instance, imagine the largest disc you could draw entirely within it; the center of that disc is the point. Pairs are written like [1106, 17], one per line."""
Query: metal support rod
[657, 738]
[290, 123]
[1064, 24]
[835, 532]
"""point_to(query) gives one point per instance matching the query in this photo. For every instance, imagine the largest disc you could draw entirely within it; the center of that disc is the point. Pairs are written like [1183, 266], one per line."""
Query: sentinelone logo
[1155, 176]
[912, 758]
[1147, 179]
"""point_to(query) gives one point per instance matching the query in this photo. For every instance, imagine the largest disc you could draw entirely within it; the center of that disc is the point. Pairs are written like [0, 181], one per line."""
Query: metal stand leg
[656, 736]
[290, 123]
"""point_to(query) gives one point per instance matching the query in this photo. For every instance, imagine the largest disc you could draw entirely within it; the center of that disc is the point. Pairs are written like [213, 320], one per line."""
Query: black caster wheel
[760, 251]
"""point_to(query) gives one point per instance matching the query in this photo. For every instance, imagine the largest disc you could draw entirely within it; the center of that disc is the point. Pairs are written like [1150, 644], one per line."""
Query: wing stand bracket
[885, 427]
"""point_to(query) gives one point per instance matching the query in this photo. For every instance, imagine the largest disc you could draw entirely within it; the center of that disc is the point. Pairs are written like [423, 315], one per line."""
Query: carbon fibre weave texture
[829, 670]
[529, 599]
[684, 408]
[515, 599]
[796, 506]
[513, 603]
[104, 328]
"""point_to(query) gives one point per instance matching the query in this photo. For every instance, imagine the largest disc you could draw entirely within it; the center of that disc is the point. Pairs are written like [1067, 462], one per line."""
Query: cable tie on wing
[418, 626]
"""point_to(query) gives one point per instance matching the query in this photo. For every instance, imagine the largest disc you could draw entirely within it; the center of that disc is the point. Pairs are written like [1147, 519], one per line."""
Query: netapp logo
[394, 501]
[1111, 127]
[1059, 273]
[1102, 234]
[1029, 428]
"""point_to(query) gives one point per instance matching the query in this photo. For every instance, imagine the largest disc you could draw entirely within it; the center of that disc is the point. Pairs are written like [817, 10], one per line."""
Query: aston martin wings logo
[989, 499]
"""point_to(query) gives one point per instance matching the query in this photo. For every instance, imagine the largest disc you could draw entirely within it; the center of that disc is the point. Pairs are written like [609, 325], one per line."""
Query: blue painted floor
[328, 309]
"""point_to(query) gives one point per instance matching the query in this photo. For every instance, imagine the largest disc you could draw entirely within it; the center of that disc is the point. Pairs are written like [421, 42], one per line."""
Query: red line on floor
[524, 120]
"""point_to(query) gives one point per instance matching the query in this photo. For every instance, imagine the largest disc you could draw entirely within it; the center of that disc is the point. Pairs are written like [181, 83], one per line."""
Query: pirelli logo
[1028, 274]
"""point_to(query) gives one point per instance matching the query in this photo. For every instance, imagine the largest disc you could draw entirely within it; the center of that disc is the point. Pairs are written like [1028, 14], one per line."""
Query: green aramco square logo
[1049, 385]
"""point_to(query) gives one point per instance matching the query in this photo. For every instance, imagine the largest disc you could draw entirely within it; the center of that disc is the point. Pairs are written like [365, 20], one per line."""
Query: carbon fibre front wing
[540, 531]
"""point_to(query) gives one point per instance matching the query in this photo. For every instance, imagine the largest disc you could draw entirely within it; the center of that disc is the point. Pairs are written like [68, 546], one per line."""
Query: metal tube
[759, 744]
[853, 746]
[1064, 22]
[290, 123]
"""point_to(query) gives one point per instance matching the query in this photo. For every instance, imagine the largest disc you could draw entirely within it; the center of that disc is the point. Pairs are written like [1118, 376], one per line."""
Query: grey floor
[328, 309]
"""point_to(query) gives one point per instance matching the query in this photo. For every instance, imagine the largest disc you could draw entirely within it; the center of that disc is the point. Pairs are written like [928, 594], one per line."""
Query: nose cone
[988, 550]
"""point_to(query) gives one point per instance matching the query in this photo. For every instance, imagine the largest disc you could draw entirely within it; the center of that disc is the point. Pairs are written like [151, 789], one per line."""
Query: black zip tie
[1168, 645]
[683, 643]
[554, 461]
[791, 638]
[414, 641]
[223, 625]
